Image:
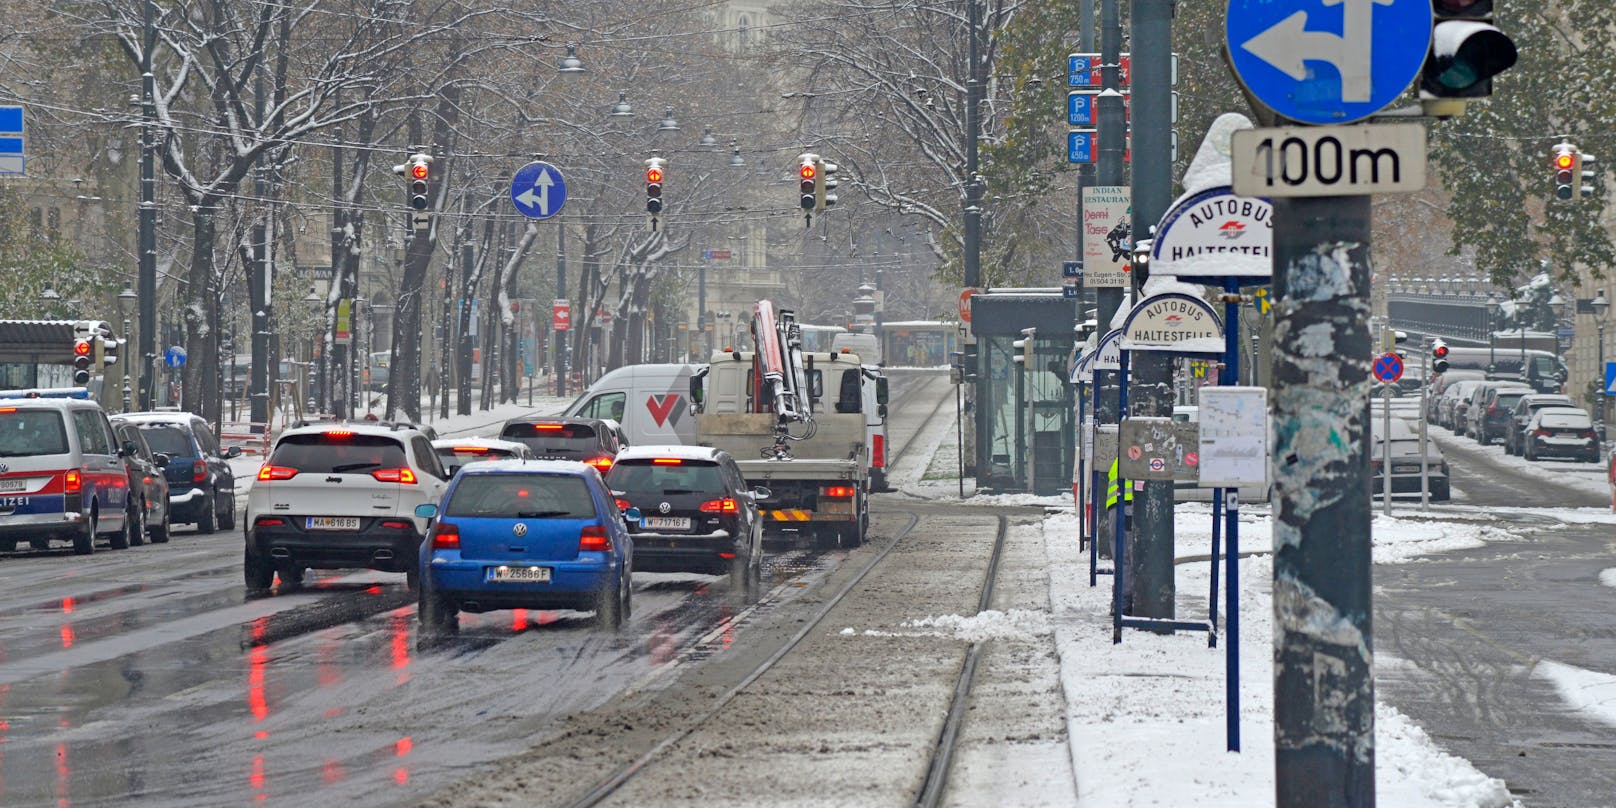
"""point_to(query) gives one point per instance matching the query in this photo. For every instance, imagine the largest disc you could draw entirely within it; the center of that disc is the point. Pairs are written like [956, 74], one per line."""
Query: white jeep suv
[340, 496]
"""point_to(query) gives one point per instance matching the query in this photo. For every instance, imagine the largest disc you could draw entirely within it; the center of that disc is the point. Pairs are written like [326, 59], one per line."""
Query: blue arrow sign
[1328, 61]
[1389, 368]
[1610, 378]
[538, 191]
[174, 357]
[11, 141]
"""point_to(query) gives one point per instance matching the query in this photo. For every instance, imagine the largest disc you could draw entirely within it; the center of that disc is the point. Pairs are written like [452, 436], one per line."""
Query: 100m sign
[1329, 160]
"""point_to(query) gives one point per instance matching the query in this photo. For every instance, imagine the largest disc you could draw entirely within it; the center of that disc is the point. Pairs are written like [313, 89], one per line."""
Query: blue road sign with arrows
[538, 190]
[1328, 61]
[11, 141]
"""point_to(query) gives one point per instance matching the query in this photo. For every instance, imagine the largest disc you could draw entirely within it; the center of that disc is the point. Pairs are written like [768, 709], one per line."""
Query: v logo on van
[661, 407]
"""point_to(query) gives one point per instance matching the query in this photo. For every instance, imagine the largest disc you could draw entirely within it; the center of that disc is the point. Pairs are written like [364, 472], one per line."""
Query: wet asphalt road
[1467, 629]
[147, 674]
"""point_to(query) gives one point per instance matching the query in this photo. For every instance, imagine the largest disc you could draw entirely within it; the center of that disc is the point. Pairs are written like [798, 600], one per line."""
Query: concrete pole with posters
[1324, 693]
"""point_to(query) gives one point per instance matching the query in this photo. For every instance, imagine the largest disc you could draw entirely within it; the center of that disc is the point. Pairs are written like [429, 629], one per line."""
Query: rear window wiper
[347, 467]
[672, 491]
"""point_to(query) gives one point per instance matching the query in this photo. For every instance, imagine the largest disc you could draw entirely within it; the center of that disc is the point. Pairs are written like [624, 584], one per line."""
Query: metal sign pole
[1386, 456]
[1425, 467]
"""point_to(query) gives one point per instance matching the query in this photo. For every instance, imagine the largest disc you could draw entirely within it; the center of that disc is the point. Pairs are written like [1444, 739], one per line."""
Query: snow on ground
[1591, 693]
[1608, 577]
[1585, 477]
[1151, 699]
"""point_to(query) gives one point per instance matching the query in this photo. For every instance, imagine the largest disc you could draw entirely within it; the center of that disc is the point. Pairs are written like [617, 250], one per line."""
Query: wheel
[611, 606]
[257, 572]
[291, 575]
[438, 615]
[1440, 492]
[84, 542]
[137, 536]
[161, 531]
[412, 579]
[120, 540]
[227, 518]
[208, 522]
[9, 545]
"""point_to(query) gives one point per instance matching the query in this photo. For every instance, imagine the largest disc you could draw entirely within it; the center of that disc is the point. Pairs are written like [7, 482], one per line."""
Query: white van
[865, 345]
[651, 402]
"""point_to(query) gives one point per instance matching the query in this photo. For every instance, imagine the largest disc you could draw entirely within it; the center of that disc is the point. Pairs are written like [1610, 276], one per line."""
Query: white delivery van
[865, 345]
[651, 402]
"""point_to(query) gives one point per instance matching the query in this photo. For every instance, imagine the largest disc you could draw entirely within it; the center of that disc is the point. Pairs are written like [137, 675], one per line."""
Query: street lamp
[314, 302]
[622, 109]
[126, 307]
[1599, 304]
[735, 158]
[571, 63]
[1492, 314]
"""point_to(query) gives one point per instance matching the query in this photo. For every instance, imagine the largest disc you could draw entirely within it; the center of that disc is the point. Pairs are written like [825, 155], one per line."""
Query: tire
[257, 573]
[291, 575]
[1441, 493]
[227, 520]
[120, 540]
[208, 522]
[412, 579]
[610, 606]
[438, 615]
[137, 536]
[84, 542]
[161, 532]
[10, 545]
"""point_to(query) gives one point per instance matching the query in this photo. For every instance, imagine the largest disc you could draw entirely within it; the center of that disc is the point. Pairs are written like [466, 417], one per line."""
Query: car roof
[357, 428]
[669, 450]
[51, 403]
[488, 443]
[176, 418]
[554, 419]
[507, 466]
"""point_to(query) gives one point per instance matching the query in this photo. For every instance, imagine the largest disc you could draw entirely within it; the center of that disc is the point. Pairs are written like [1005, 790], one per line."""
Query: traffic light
[1589, 174]
[1567, 172]
[1439, 357]
[418, 179]
[1466, 52]
[808, 180]
[824, 184]
[653, 185]
[109, 350]
[82, 350]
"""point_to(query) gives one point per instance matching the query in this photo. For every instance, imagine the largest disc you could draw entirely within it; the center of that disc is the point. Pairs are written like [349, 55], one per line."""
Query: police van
[62, 474]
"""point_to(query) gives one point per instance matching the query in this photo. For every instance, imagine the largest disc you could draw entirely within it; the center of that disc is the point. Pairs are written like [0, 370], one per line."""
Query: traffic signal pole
[1108, 300]
[1324, 694]
[1151, 560]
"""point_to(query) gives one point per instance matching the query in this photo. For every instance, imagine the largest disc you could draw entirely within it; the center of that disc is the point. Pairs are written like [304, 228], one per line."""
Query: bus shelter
[1026, 435]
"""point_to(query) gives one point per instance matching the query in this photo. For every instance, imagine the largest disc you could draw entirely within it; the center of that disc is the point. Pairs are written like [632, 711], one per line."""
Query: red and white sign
[561, 315]
[965, 305]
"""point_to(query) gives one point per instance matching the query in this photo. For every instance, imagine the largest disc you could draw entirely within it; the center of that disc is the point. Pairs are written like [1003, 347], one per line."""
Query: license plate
[332, 523]
[10, 486]
[526, 575]
[667, 522]
[1406, 469]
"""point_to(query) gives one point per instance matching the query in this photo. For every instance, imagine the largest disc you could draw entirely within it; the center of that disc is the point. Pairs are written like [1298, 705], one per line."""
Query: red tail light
[725, 505]
[199, 470]
[623, 504]
[838, 491]
[445, 536]
[1589, 434]
[72, 481]
[269, 521]
[726, 556]
[403, 475]
[339, 433]
[396, 524]
[602, 463]
[878, 452]
[593, 539]
[666, 461]
[1541, 433]
[268, 472]
[471, 450]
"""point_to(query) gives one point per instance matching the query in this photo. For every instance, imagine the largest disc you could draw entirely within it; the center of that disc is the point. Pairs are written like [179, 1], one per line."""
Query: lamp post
[1599, 304]
[126, 307]
[1492, 314]
[316, 304]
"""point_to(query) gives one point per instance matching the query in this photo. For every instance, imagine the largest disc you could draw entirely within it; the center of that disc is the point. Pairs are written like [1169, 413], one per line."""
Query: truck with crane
[764, 407]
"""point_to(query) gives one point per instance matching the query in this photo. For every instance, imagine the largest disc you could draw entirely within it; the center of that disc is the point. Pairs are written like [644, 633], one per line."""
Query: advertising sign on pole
[1107, 236]
[1234, 436]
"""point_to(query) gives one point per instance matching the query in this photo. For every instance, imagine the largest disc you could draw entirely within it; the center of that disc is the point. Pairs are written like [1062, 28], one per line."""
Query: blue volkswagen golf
[525, 534]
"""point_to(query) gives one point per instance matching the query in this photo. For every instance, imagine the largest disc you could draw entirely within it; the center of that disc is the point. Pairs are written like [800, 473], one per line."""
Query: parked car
[1454, 398]
[148, 484]
[1561, 432]
[61, 476]
[456, 452]
[1405, 461]
[1485, 417]
[201, 486]
[526, 534]
[585, 440]
[340, 496]
[1522, 413]
[1440, 385]
[698, 513]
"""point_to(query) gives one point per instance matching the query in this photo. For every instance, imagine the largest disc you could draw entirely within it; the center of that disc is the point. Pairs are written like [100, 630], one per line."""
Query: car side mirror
[426, 510]
[760, 493]
[161, 460]
[632, 516]
[128, 449]
[234, 451]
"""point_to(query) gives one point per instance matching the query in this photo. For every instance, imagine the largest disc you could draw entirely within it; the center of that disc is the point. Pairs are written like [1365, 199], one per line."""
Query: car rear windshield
[1508, 400]
[521, 496]
[666, 479]
[25, 433]
[324, 453]
[547, 431]
[466, 454]
[1566, 421]
[168, 439]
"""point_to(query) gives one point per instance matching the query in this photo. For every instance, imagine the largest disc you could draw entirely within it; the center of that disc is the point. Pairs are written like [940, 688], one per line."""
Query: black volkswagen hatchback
[696, 512]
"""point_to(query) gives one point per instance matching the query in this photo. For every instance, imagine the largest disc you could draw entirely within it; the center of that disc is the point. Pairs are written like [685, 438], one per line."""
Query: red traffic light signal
[653, 174]
[807, 171]
[81, 361]
[1440, 352]
[419, 171]
[653, 185]
[81, 348]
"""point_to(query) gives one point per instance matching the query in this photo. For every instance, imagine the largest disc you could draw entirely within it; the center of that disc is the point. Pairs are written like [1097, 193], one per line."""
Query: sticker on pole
[1389, 368]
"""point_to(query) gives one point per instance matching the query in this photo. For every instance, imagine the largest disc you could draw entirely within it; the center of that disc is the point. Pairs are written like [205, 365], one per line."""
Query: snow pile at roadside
[1608, 577]
[1591, 693]
[1147, 717]
[1585, 477]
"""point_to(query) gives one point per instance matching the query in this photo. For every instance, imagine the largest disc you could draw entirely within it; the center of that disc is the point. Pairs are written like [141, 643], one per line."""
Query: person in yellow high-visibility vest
[1107, 531]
